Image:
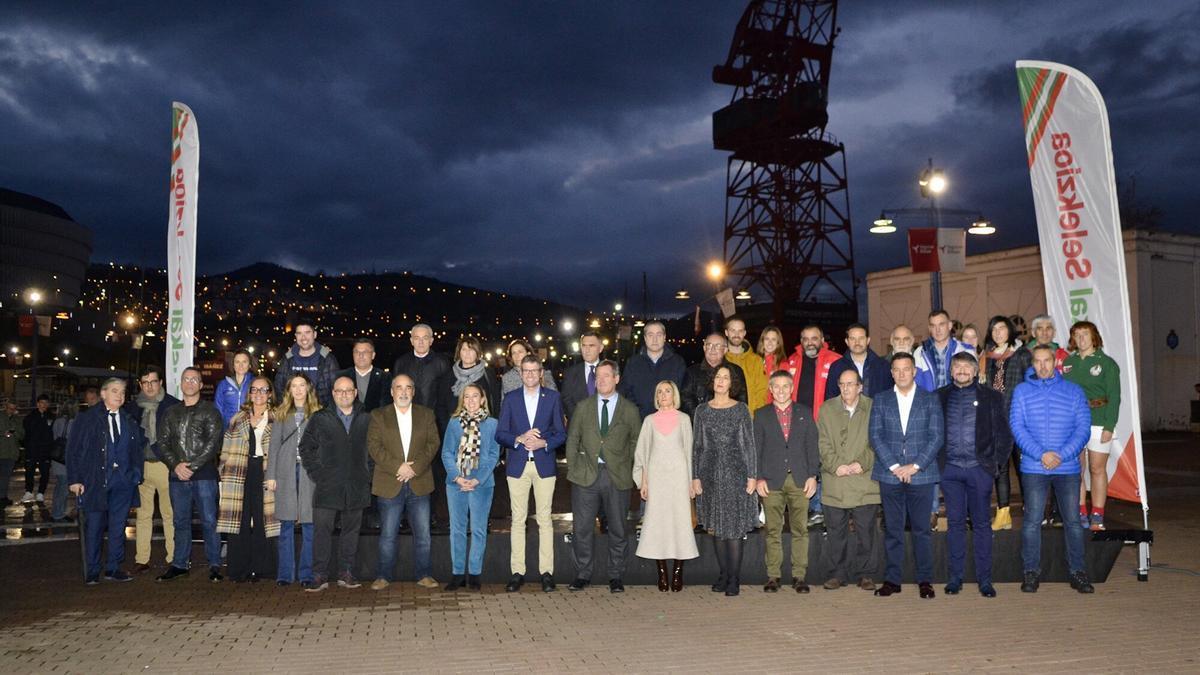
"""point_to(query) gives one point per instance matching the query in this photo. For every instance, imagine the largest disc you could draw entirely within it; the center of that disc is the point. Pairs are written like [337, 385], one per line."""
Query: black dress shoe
[888, 588]
[926, 590]
[117, 575]
[548, 582]
[456, 582]
[473, 583]
[1031, 582]
[952, 588]
[514, 583]
[214, 574]
[578, 585]
[173, 572]
[615, 586]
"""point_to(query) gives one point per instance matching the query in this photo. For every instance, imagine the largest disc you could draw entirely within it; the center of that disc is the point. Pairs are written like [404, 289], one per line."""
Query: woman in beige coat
[662, 470]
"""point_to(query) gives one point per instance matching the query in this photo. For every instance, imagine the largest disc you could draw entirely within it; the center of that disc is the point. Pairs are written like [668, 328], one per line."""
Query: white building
[1164, 292]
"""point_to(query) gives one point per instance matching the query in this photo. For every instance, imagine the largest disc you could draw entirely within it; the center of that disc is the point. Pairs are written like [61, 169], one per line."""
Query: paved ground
[50, 622]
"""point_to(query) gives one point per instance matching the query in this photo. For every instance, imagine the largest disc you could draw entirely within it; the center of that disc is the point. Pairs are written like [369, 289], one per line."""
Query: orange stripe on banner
[1124, 481]
[1034, 93]
[1044, 119]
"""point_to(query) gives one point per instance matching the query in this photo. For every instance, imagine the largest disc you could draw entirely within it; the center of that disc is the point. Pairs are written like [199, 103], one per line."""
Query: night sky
[555, 149]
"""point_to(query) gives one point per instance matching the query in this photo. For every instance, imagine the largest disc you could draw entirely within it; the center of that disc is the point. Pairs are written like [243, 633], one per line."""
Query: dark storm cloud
[555, 149]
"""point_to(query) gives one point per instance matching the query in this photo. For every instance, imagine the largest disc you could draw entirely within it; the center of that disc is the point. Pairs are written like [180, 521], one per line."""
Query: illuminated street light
[742, 295]
[883, 225]
[682, 294]
[33, 296]
[537, 337]
[716, 270]
[982, 226]
[567, 325]
[618, 307]
[937, 183]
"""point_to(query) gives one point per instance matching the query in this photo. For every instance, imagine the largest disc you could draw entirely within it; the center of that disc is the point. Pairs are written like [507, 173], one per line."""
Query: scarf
[666, 420]
[1000, 360]
[465, 376]
[149, 407]
[468, 445]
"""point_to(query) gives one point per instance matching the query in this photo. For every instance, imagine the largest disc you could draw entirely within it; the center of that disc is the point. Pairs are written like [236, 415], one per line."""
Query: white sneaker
[41, 498]
[27, 498]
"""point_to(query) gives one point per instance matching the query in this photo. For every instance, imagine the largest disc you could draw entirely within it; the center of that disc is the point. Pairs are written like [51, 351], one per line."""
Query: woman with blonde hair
[247, 508]
[469, 453]
[662, 471]
[290, 482]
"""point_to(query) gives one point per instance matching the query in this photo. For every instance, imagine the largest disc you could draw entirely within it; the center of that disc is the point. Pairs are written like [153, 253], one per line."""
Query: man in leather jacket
[190, 443]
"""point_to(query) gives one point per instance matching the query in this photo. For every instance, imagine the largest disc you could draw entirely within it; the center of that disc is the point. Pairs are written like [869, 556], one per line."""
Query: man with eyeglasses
[149, 407]
[531, 431]
[851, 495]
[697, 383]
[190, 445]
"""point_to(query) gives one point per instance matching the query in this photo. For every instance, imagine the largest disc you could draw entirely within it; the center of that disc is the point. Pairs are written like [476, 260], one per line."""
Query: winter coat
[1050, 415]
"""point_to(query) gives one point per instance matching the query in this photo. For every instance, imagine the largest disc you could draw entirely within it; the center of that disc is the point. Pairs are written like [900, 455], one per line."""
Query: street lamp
[567, 325]
[716, 271]
[932, 183]
[618, 307]
[682, 294]
[33, 296]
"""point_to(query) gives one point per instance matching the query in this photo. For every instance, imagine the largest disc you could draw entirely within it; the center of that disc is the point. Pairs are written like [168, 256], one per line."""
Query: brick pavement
[50, 622]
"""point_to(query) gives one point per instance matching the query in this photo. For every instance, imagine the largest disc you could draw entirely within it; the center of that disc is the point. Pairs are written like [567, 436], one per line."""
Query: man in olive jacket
[846, 462]
[402, 439]
[334, 453]
[601, 440]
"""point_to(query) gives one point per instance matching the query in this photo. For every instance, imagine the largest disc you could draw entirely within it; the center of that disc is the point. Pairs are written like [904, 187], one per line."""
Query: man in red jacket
[811, 363]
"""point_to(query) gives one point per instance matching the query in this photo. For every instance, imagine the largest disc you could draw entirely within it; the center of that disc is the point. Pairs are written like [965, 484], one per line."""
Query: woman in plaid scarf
[469, 453]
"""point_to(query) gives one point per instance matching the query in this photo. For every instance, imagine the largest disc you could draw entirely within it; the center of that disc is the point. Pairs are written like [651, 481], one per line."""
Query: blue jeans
[58, 508]
[475, 505]
[901, 501]
[968, 491]
[286, 571]
[390, 513]
[204, 493]
[814, 504]
[1066, 490]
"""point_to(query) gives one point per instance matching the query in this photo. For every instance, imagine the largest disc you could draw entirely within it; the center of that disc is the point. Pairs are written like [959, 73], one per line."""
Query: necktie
[112, 426]
[591, 381]
[604, 417]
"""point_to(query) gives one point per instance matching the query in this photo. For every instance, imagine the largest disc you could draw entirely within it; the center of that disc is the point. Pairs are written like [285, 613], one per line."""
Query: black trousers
[585, 504]
[41, 465]
[853, 557]
[248, 551]
[323, 520]
[1004, 481]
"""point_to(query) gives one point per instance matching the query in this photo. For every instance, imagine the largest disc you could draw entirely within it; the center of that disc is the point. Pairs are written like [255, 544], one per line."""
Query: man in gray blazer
[788, 461]
[601, 440]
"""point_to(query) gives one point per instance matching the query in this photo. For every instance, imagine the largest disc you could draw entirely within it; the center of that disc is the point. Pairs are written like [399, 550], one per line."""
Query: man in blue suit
[104, 468]
[531, 429]
[907, 432]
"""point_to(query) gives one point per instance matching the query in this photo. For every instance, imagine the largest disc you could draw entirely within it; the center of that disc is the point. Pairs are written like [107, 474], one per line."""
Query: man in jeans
[402, 439]
[190, 442]
[1051, 422]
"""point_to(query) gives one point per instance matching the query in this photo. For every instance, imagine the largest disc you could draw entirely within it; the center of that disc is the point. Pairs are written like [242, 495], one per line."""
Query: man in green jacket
[12, 432]
[850, 494]
[601, 440]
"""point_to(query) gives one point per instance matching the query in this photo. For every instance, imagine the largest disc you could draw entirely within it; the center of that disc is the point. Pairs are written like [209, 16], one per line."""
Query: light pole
[33, 297]
[932, 182]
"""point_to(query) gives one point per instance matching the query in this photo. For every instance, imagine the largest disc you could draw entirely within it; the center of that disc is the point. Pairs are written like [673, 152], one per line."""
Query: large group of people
[746, 438]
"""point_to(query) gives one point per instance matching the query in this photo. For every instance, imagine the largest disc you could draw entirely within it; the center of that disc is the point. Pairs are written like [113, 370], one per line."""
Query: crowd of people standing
[747, 437]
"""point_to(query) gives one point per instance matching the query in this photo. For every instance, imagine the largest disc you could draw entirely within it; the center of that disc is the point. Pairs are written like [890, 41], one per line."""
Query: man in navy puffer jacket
[1051, 422]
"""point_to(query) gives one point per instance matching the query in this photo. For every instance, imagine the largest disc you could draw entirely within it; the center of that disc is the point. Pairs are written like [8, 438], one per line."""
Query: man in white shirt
[403, 442]
[906, 432]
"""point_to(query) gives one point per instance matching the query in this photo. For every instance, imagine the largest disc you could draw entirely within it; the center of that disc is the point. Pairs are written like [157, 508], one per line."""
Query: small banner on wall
[937, 249]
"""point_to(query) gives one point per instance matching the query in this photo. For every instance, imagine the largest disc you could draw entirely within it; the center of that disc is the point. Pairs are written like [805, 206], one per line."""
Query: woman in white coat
[662, 470]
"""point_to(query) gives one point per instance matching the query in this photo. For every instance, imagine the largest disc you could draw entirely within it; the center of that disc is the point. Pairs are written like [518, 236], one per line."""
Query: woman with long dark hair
[724, 471]
[511, 380]
[1004, 362]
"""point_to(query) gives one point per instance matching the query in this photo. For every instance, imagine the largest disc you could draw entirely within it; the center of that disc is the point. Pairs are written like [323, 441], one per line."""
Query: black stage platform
[1100, 555]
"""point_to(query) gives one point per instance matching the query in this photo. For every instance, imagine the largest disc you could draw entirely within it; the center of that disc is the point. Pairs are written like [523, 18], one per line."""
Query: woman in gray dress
[290, 482]
[724, 466]
[662, 470]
